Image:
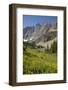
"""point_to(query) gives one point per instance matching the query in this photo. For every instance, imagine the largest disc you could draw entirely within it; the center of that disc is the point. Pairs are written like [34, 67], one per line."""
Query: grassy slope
[36, 62]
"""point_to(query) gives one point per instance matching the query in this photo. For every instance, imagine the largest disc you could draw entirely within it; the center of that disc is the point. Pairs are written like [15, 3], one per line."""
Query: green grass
[39, 62]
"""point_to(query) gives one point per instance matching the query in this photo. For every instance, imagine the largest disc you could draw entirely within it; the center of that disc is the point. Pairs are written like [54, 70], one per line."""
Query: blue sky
[31, 20]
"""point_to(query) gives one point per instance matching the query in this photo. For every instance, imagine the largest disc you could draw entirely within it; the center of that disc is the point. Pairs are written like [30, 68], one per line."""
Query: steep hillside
[42, 35]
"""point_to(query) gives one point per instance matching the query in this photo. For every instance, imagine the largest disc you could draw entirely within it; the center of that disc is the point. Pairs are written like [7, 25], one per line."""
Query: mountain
[40, 34]
[27, 32]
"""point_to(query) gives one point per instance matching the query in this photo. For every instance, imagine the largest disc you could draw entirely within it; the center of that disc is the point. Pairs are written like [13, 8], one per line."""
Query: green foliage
[35, 62]
[33, 45]
[28, 44]
[25, 44]
[39, 46]
[54, 47]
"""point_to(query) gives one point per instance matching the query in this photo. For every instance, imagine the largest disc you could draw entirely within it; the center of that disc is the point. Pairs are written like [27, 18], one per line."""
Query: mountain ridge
[40, 34]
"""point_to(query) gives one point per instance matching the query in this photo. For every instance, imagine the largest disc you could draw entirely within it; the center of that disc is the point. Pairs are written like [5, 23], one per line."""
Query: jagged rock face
[27, 32]
[40, 34]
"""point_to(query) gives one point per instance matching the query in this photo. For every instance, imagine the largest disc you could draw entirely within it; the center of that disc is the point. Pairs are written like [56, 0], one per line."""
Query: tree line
[52, 49]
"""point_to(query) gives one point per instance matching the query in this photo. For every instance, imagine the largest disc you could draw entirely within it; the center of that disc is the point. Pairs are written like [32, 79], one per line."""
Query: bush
[54, 47]
[33, 45]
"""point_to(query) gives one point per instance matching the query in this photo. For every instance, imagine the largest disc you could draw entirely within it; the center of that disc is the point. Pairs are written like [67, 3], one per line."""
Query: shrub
[54, 47]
